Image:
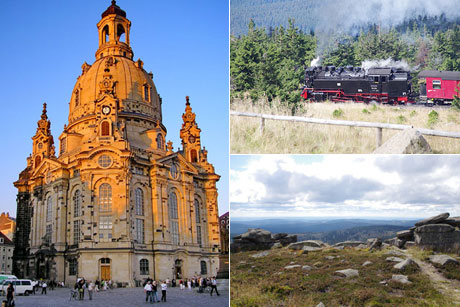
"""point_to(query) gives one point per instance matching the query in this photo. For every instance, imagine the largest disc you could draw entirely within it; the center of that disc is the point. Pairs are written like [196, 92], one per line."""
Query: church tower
[117, 203]
[43, 143]
[190, 135]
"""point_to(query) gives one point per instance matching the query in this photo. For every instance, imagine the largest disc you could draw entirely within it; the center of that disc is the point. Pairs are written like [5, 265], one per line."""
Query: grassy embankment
[289, 137]
[265, 282]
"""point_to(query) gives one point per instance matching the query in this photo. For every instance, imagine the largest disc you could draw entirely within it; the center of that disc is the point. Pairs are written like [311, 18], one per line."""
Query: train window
[436, 84]
[384, 79]
[376, 79]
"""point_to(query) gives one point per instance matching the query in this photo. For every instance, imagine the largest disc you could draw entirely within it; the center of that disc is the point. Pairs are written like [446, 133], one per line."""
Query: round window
[104, 161]
[174, 171]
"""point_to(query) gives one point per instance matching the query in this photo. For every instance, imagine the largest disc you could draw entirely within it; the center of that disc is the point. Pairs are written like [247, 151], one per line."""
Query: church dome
[114, 74]
[125, 79]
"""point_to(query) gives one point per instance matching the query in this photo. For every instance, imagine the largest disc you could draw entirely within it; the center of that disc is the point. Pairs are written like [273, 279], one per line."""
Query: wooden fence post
[262, 125]
[379, 137]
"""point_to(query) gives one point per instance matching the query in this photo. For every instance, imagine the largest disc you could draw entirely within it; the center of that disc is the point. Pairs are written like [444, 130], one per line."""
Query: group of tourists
[83, 285]
[151, 287]
[199, 282]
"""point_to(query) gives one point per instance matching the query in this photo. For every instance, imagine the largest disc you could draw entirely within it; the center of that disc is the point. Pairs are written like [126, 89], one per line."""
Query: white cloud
[344, 185]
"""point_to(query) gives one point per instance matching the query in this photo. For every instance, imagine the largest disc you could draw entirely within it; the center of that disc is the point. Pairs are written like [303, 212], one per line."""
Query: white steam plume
[367, 64]
[315, 62]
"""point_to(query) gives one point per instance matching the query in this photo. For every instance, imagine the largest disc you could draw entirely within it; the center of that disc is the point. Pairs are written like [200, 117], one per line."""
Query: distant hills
[330, 231]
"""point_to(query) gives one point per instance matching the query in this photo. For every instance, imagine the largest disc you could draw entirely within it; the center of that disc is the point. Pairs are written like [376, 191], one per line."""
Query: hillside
[281, 277]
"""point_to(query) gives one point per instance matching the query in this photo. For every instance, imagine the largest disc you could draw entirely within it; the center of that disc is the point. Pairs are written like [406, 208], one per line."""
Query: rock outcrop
[401, 279]
[438, 233]
[409, 141]
[443, 260]
[308, 243]
[260, 239]
[403, 265]
[349, 244]
[347, 273]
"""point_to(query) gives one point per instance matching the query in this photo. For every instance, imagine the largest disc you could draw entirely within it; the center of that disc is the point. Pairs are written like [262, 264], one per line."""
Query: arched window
[77, 203]
[204, 269]
[76, 231]
[105, 33]
[139, 196]
[172, 204]
[121, 33]
[198, 221]
[49, 209]
[77, 97]
[38, 159]
[105, 128]
[193, 156]
[73, 266]
[160, 141]
[146, 93]
[197, 211]
[105, 198]
[144, 266]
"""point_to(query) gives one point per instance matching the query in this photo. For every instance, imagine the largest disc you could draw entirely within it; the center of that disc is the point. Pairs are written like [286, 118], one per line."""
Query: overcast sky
[359, 186]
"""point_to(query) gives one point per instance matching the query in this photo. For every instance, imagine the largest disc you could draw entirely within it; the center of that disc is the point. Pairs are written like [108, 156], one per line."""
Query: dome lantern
[113, 31]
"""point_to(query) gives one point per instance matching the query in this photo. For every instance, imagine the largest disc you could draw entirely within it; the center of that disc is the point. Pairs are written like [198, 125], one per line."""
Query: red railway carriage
[438, 87]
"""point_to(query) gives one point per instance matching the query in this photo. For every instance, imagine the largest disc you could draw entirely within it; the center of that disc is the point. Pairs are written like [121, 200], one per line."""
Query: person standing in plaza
[164, 287]
[214, 285]
[81, 289]
[148, 291]
[9, 295]
[154, 291]
[44, 285]
[91, 287]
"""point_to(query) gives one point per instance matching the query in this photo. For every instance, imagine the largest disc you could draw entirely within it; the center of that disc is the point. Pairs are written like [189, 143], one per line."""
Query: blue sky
[44, 43]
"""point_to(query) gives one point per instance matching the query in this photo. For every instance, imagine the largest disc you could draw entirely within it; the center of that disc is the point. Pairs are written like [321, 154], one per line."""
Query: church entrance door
[105, 272]
[105, 269]
[178, 269]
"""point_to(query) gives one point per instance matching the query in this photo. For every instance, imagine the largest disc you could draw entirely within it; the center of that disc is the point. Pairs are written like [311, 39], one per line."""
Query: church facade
[116, 202]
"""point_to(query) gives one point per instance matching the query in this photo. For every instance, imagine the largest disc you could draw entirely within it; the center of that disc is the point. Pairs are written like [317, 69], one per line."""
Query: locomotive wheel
[373, 102]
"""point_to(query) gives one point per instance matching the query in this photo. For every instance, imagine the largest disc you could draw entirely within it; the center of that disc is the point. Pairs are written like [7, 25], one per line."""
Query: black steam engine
[384, 85]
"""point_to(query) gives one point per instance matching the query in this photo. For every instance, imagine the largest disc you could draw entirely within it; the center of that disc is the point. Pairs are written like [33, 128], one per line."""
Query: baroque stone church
[116, 202]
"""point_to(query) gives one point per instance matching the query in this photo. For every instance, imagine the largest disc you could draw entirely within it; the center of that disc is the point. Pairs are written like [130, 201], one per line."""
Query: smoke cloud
[367, 64]
[315, 62]
[346, 14]
[336, 16]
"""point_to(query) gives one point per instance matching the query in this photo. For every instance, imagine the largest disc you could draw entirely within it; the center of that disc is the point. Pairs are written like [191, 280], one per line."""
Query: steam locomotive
[343, 84]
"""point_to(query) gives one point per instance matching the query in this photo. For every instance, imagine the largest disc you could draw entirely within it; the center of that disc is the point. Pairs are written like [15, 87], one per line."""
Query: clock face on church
[105, 110]
[191, 139]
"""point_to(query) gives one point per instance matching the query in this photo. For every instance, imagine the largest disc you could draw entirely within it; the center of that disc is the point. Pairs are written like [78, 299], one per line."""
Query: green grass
[265, 282]
[337, 113]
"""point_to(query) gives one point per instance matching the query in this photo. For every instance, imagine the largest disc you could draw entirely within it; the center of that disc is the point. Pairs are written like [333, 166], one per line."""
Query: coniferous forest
[270, 62]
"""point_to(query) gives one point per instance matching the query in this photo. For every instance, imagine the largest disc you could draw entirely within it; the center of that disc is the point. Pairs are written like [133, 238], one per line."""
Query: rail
[349, 123]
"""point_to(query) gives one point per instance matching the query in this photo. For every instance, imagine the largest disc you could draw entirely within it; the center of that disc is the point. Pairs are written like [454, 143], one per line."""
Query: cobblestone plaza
[122, 297]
